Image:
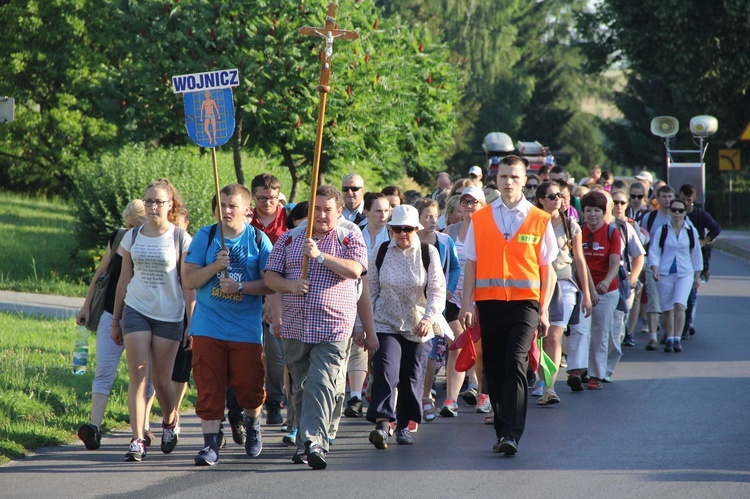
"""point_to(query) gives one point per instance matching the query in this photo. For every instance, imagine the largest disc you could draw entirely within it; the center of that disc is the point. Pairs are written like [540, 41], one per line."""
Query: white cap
[475, 192]
[475, 170]
[644, 175]
[405, 215]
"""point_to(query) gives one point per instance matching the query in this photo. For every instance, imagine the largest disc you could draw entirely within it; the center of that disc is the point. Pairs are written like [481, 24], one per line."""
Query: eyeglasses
[677, 210]
[351, 188]
[266, 199]
[554, 196]
[158, 202]
[469, 202]
[636, 196]
[398, 229]
[621, 203]
[531, 186]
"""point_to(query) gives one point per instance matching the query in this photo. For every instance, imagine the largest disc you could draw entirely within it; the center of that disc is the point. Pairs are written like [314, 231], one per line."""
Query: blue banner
[209, 116]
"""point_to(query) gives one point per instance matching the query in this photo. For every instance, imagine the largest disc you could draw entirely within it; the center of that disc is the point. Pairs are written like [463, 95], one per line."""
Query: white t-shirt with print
[155, 290]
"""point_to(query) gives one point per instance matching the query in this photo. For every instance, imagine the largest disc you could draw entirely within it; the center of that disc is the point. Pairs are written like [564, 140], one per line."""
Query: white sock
[356, 394]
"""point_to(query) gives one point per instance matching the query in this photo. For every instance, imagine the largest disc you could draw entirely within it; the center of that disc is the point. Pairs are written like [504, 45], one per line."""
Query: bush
[102, 190]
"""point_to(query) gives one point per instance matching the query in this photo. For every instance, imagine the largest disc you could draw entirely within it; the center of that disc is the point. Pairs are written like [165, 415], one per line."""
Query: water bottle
[81, 350]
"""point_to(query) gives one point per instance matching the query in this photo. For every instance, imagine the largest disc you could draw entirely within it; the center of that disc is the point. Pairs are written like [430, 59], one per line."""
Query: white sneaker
[538, 390]
[483, 404]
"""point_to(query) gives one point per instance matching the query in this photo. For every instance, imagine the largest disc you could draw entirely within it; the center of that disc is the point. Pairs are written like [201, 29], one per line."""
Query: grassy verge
[36, 246]
[42, 402]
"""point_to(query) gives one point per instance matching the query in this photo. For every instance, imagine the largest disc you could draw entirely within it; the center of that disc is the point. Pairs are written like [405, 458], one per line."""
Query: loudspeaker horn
[665, 126]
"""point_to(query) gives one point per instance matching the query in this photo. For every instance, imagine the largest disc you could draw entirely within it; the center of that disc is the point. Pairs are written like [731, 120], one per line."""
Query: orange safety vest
[508, 270]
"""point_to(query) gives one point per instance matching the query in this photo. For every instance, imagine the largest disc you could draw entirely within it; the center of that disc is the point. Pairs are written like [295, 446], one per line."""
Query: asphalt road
[671, 425]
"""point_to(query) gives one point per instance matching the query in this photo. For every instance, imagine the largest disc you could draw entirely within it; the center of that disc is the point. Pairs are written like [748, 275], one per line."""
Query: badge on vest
[528, 239]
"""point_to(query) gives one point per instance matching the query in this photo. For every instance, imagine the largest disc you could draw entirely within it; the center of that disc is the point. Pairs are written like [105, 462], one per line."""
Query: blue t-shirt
[229, 317]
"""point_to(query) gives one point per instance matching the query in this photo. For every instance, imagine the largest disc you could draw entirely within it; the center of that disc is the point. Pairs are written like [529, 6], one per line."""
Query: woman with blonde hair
[150, 305]
[107, 352]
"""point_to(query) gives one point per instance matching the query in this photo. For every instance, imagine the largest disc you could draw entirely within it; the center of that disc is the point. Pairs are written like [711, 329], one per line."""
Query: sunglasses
[621, 203]
[677, 210]
[636, 196]
[398, 229]
[531, 186]
[552, 197]
[350, 188]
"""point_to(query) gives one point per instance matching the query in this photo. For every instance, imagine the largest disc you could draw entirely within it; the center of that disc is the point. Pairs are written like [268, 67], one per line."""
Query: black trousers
[398, 363]
[507, 330]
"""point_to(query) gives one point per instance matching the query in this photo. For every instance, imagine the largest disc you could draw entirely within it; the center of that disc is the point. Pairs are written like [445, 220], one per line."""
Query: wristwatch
[239, 287]
[320, 259]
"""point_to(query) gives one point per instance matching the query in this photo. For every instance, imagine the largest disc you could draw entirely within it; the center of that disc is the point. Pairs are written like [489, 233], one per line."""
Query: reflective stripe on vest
[508, 283]
[508, 270]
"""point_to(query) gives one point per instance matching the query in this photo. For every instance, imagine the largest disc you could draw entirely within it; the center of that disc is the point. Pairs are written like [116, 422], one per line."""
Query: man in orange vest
[509, 249]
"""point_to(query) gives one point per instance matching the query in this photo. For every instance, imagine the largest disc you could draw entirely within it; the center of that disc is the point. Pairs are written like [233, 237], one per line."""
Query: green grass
[42, 402]
[37, 243]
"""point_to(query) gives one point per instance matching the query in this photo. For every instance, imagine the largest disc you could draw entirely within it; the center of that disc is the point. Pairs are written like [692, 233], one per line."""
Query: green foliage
[52, 66]
[384, 110]
[694, 61]
[104, 188]
[43, 403]
[37, 246]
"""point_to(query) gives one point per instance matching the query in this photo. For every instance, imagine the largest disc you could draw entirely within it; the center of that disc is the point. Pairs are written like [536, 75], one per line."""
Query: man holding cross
[318, 316]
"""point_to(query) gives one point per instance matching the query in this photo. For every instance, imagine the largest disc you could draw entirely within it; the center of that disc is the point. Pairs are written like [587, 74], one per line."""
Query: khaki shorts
[654, 303]
[357, 359]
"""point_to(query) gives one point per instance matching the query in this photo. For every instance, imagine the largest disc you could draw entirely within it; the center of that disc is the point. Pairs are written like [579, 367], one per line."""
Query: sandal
[549, 398]
[429, 411]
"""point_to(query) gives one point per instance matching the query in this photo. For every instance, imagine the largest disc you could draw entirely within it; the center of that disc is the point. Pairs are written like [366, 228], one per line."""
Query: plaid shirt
[326, 313]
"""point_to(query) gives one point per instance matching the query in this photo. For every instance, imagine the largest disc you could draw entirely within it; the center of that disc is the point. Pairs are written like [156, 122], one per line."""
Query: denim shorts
[133, 321]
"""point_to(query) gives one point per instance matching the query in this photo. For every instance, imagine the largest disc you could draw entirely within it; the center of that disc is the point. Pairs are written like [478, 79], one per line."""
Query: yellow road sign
[746, 133]
[729, 160]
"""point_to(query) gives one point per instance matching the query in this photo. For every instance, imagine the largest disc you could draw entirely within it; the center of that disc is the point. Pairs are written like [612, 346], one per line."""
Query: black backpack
[665, 231]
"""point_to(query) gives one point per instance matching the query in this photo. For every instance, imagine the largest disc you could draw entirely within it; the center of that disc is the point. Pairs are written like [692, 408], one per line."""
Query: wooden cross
[330, 32]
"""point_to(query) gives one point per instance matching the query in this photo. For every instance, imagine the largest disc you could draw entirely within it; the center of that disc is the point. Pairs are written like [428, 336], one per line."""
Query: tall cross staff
[329, 33]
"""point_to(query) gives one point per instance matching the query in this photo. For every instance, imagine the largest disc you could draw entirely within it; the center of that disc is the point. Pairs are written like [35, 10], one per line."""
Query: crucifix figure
[330, 32]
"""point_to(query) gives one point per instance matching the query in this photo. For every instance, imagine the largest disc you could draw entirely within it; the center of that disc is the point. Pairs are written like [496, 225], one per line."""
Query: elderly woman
[676, 262]
[589, 344]
[408, 293]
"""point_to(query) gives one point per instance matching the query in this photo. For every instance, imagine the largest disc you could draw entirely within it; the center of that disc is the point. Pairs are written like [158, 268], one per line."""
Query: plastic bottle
[81, 350]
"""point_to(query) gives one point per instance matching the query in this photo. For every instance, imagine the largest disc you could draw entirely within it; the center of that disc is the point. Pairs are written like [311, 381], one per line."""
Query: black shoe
[663, 340]
[691, 331]
[90, 436]
[506, 446]
[148, 437]
[669, 346]
[273, 413]
[531, 378]
[299, 457]
[677, 347]
[575, 383]
[585, 376]
[221, 440]
[238, 432]
[629, 341]
[316, 457]
[379, 438]
[353, 408]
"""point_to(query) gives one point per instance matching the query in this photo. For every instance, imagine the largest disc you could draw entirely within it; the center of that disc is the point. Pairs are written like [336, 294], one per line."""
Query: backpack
[665, 232]
[623, 284]
[212, 233]
[424, 247]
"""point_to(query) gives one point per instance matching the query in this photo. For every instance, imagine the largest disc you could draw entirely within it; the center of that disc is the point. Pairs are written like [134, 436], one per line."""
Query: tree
[52, 64]
[694, 61]
[523, 71]
[393, 91]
